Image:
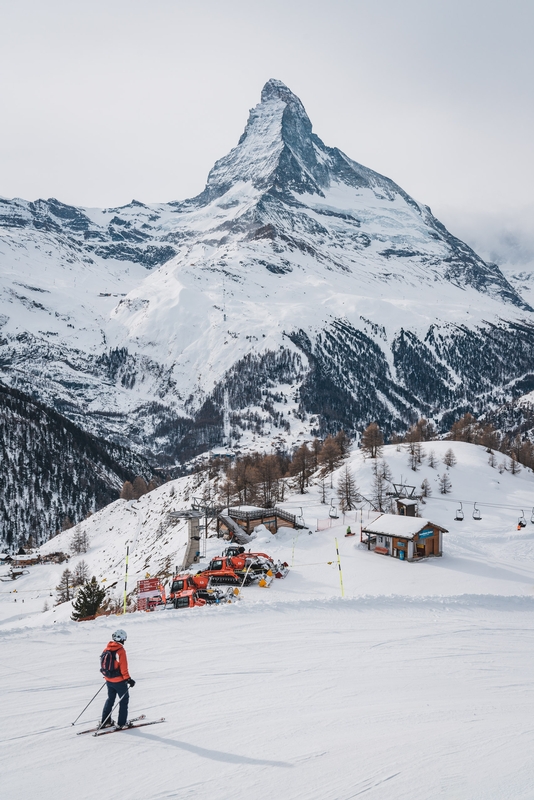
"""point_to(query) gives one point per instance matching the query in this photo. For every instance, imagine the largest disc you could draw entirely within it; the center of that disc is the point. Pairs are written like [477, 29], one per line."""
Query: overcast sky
[109, 100]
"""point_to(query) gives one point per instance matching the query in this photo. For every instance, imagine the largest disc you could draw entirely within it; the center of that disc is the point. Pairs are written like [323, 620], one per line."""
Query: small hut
[404, 537]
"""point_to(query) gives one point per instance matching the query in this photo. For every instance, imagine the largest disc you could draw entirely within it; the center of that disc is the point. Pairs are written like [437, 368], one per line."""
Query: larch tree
[426, 489]
[139, 487]
[80, 541]
[330, 457]
[80, 574]
[64, 587]
[445, 484]
[449, 459]
[372, 441]
[127, 491]
[347, 490]
[301, 467]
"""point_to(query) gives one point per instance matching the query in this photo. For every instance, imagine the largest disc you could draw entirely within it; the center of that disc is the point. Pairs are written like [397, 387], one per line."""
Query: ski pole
[111, 712]
[88, 704]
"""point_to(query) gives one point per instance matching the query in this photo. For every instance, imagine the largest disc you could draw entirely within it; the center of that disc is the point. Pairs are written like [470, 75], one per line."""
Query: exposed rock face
[298, 281]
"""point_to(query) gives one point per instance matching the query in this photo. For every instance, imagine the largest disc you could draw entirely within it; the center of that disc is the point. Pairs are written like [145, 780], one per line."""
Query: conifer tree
[88, 600]
[64, 587]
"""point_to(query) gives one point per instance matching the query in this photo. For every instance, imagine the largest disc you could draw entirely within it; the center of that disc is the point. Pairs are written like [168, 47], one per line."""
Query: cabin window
[216, 565]
[181, 602]
[177, 586]
[380, 540]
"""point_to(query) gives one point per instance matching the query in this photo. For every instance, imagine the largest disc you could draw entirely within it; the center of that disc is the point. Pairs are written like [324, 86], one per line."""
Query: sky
[111, 100]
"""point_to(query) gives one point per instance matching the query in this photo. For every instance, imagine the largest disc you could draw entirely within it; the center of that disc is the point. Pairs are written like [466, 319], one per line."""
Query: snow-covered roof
[406, 501]
[396, 525]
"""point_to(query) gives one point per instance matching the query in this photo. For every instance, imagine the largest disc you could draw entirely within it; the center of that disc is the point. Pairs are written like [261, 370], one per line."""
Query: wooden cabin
[405, 537]
[406, 507]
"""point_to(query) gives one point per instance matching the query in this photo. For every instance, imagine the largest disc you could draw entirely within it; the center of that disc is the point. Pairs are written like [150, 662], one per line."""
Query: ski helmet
[119, 636]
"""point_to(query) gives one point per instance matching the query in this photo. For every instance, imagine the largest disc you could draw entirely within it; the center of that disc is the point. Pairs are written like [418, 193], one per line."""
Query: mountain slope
[51, 471]
[298, 281]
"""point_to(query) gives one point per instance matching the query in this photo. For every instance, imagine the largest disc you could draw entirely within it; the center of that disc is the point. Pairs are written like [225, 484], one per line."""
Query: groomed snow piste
[416, 684]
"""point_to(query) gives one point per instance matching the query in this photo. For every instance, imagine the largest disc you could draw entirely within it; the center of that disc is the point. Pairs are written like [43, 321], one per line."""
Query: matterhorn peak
[277, 90]
[276, 148]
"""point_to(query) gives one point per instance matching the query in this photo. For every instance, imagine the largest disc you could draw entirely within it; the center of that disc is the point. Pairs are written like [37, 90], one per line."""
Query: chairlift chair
[460, 514]
[476, 512]
[532, 516]
[332, 512]
[521, 522]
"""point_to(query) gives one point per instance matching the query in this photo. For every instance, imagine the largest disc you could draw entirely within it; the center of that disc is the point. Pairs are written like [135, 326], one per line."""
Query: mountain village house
[405, 537]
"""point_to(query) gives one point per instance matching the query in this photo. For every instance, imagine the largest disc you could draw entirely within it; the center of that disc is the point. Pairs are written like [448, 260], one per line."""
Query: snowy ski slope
[416, 684]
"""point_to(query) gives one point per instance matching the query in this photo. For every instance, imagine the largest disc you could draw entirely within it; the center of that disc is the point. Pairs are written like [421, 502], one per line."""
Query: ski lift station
[408, 538]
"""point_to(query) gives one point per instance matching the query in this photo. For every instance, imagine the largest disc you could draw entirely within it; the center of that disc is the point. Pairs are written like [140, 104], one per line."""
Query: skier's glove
[131, 682]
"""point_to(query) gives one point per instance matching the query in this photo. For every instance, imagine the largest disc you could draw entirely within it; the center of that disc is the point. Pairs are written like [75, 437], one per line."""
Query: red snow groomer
[195, 589]
[279, 569]
[190, 598]
[234, 568]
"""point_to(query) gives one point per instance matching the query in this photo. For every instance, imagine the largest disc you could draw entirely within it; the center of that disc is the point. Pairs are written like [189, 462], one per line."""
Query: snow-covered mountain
[299, 291]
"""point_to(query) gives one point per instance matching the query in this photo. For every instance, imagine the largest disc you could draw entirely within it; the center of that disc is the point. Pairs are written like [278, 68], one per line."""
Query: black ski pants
[118, 689]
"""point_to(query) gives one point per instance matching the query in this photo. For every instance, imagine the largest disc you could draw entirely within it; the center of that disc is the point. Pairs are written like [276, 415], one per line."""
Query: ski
[105, 731]
[92, 730]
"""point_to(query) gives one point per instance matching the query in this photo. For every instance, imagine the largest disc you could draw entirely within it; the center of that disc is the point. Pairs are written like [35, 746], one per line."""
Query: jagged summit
[279, 153]
[276, 150]
[277, 90]
[296, 267]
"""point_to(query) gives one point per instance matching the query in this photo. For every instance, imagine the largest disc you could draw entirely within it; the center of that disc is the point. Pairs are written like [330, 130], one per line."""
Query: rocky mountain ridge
[299, 292]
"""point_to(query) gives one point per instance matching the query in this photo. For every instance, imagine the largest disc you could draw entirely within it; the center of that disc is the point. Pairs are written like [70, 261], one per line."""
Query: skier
[114, 667]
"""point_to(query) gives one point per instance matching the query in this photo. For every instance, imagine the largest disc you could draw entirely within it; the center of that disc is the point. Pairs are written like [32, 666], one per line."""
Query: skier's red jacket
[123, 662]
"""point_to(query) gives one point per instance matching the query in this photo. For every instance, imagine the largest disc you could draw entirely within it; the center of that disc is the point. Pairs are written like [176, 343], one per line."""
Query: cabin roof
[403, 527]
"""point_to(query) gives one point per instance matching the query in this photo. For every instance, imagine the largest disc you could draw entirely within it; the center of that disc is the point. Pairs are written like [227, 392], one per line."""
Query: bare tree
[449, 459]
[514, 465]
[432, 460]
[445, 484]
[347, 490]
[64, 587]
[492, 461]
[80, 574]
[415, 454]
[330, 457]
[381, 477]
[426, 489]
[301, 467]
[80, 541]
[343, 442]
